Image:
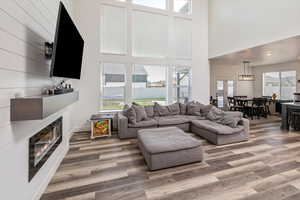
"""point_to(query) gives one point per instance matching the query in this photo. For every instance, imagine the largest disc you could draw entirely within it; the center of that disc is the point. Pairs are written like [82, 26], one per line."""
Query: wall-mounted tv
[67, 48]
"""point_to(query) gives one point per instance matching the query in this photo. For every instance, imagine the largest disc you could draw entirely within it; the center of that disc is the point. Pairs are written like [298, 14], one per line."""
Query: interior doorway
[225, 88]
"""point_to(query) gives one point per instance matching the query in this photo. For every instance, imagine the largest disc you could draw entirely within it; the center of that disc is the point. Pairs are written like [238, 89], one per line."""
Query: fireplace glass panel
[42, 145]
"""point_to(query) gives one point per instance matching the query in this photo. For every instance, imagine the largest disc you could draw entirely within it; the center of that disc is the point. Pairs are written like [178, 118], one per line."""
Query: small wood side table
[101, 125]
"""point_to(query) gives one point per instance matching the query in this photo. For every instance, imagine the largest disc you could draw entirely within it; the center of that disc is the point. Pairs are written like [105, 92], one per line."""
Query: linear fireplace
[42, 145]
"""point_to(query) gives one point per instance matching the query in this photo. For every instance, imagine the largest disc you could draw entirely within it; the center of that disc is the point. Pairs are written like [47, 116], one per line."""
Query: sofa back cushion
[205, 109]
[194, 109]
[215, 114]
[140, 113]
[161, 110]
[130, 114]
[221, 117]
[183, 108]
[174, 109]
[149, 111]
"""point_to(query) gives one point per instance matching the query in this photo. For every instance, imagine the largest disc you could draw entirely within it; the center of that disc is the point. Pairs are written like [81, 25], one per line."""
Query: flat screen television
[67, 48]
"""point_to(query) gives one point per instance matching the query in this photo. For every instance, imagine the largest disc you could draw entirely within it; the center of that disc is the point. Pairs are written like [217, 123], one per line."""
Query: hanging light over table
[246, 76]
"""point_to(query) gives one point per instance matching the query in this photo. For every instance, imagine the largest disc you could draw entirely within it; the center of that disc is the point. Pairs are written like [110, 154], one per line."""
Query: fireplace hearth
[42, 145]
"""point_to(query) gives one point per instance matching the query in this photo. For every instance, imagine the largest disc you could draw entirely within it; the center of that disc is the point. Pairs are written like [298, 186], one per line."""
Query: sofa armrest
[122, 125]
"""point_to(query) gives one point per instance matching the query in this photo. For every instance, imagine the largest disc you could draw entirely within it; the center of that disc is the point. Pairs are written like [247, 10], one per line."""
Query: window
[151, 3]
[288, 84]
[113, 30]
[113, 86]
[183, 6]
[150, 35]
[220, 85]
[281, 83]
[153, 39]
[220, 93]
[183, 38]
[149, 84]
[182, 84]
[230, 90]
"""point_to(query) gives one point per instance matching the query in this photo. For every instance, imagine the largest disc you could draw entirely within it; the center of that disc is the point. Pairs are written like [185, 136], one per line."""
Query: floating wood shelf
[40, 107]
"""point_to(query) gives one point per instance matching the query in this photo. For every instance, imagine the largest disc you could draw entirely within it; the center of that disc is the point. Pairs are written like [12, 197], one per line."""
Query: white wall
[200, 63]
[88, 18]
[259, 70]
[237, 25]
[242, 88]
[24, 26]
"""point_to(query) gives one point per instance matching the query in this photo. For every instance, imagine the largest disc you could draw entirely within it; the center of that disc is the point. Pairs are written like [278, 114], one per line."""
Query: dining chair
[231, 104]
[259, 107]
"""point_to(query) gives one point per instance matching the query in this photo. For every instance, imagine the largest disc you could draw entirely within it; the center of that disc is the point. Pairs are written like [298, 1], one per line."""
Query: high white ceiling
[272, 53]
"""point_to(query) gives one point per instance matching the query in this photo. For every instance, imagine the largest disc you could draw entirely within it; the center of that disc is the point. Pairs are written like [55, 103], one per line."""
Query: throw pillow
[194, 109]
[215, 114]
[140, 113]
[149, 111]
[219, 116]
[230, 121]
[183, 108]
[174, 109]
[131, 115]
[205, 109]
[161, 110]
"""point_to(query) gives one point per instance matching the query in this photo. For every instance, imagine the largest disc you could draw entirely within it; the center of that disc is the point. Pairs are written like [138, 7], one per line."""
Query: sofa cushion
[194, 109]
[183, 108]
[161, 110]
[174, 109]
[130, 114]
[149, 111]
[191, 117]
[140, 113]
[171, 120]
[226, 118]
[215, 114]
[216, 127]
[205, 109]
[144, 124]
[168, 139]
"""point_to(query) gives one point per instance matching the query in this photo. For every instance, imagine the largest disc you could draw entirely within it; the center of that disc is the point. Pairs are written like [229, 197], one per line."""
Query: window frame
[129, 60]
[280, 80]
[166, 81]
[125, 31]
[102, 85]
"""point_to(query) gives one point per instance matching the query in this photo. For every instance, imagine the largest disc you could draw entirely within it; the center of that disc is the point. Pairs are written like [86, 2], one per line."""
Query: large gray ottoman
[168, 147]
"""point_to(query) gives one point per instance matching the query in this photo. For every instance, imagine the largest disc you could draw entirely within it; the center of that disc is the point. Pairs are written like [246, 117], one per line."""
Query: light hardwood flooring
[267, 167]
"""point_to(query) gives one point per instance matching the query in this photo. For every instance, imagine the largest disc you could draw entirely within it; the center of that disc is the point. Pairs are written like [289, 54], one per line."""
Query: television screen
[68, 47]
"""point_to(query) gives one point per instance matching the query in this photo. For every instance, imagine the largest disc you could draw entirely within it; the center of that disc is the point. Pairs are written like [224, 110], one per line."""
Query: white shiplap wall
[24, 27]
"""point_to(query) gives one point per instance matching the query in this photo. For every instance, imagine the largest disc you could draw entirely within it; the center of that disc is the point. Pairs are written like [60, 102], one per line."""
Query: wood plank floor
[265, 168]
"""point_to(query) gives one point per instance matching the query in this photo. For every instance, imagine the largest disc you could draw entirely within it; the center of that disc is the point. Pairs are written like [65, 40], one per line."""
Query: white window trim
[129, 60]
[280, 72]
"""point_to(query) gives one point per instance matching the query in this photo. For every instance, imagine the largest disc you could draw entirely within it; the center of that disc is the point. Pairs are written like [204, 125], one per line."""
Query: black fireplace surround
[42, 145]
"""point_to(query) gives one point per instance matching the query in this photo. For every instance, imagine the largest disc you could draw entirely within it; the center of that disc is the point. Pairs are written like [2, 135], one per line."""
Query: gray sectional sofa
[192, 117]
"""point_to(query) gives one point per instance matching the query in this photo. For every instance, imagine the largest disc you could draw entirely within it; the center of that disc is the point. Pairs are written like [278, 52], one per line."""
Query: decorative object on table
[274, 96]
[101, 125]
[246, 76]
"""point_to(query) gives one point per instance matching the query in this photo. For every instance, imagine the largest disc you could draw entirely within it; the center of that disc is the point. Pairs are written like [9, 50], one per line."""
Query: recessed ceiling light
[269, 53]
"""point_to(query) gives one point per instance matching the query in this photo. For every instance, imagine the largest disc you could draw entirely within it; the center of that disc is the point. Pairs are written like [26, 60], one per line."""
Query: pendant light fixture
[246, 76]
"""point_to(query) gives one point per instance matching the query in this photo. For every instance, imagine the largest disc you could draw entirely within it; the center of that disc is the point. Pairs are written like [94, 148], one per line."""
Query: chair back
[240, 97]
[258, 102]
[231, 101]
[241, 102]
